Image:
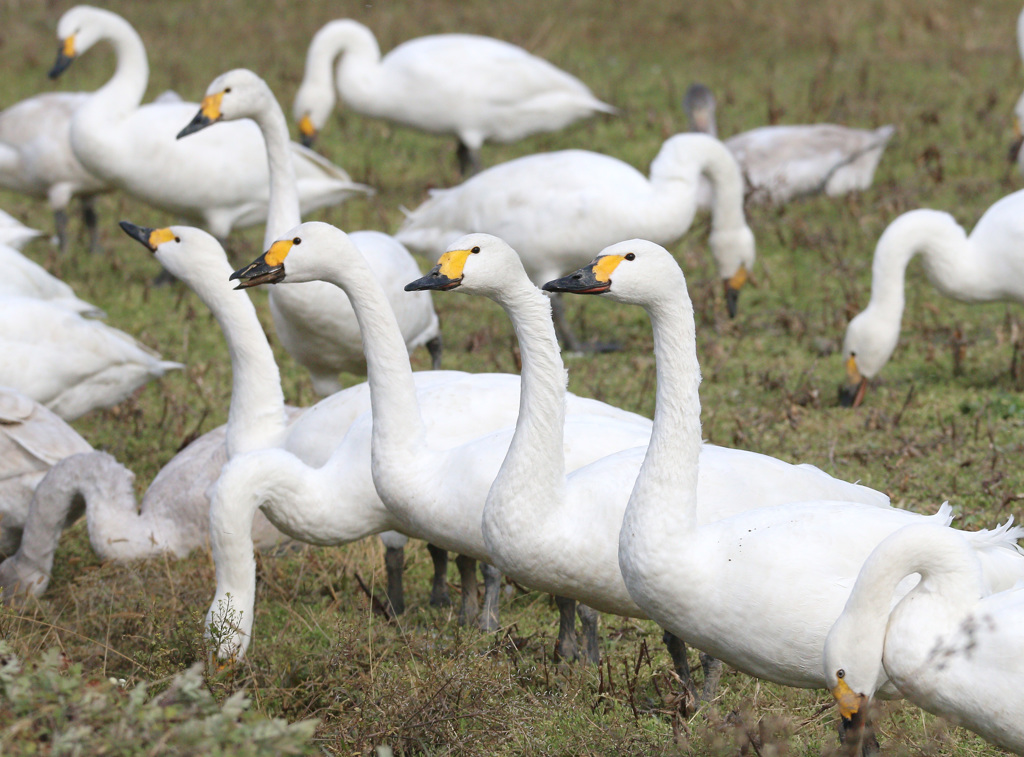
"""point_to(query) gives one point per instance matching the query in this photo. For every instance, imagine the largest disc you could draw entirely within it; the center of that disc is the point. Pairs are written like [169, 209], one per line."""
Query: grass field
[945, 73]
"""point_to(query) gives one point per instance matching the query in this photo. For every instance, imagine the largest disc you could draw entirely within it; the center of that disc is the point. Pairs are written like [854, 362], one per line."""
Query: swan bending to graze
[315, 322]
[556, 208]
[477, 88]
[69, 363]
[758, 590]
[24, 278]
[391, 456]
[780, 163]
[14, 233]
[36, 159]
[556, 529]
[951, 646]
[987, 266]
[218, 180]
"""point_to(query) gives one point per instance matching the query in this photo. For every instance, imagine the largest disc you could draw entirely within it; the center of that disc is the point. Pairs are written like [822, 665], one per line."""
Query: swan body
[987, 266]
[70, 364]
[781, 163]
[951, 646]
[218, 179]
[414, 433]
[758, 590]
[477, 88]
[25, 278]
[14, 233]
[315, 322]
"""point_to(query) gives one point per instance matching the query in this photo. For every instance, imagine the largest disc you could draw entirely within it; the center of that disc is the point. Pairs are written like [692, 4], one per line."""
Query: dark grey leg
[469, 160]
[589, 618]
[60, 220]
[565, 646]
[712, 675]
[394, 564]
[677, 651]
[439, 596]
[91, 221]
[470, 607]
[569, 341]
[435, 347]
[489, 621]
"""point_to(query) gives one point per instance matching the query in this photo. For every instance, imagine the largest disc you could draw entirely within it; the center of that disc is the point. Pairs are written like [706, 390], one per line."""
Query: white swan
[761, 589]
[14, 233]
[70, 364]
[414, 432]
[315, 322]
[218, 180]
[950, 646]
[36, 158]
[477, 88]
[24, 278]
[987, 266]
[1018, 108]
[780, 163]
[556, 208]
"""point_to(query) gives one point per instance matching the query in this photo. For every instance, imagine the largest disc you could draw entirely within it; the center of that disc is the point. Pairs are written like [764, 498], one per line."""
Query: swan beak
[594, 278]
[732, 285]
[1018, 140]
[447, 274]
[149, 238]
[65, 57]
[209, 113]
[307, 132]
[852, 708]
[852, 394]
[268, 268]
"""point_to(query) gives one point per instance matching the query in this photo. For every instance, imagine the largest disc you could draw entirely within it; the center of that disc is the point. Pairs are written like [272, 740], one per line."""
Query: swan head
[190, 254]
[305, 253]
[311, 110]
[733, 251]
[1018, 133]
[867, 347]
[475, 264]
[699, 104]
[239, 93]
[853, 669]
[79, 29]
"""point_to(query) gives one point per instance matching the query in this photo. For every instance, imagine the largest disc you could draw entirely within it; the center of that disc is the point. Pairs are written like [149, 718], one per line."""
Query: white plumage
[24, 278]
[14, 233]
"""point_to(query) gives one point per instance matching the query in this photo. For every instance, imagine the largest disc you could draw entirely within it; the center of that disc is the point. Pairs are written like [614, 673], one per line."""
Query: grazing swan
[32, 440]
[780, 163]
[70, 364]
[987, 266]
[36, 159]
[950, 646]
[477, 88]
[14, 233]
[24, 278]
[557, 531]
[415, 436]
[315, 322]
[556, 208]
[758, 590]
[218, 180]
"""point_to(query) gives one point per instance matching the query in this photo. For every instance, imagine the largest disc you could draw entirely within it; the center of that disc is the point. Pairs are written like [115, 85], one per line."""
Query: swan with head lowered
[987, 266]
[758, 590]
[391, 457]
[315, 322]
[218, 180]
[951, 646]
[556, 208]
[477, 88]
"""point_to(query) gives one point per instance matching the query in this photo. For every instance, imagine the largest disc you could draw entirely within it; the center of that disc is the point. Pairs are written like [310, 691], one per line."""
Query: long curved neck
[358, 50]
[284, 211]
[722, 170]
[124, 91]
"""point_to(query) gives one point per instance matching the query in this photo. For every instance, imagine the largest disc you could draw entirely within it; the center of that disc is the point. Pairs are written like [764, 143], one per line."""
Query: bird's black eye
[630, 256]
[475, 250]
[226, 90]
[177, 239]
[840, 673]
[297, 240]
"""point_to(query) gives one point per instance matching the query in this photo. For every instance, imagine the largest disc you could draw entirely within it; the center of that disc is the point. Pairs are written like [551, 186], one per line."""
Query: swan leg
[677, 651]
[565, 646]
[712, 675]
[470, 607]
[394, 565]
[91, 221]
[60, 220]
[435, 347]
[489, 620]
[439, 596]
[589, 618]
[570, 343]
[469, 159]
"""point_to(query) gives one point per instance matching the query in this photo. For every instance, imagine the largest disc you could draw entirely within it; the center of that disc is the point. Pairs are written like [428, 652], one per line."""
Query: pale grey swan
[556, 208]
[987, 266]
[218, 180]
[784, 162]
[477, 88]
[392, 456]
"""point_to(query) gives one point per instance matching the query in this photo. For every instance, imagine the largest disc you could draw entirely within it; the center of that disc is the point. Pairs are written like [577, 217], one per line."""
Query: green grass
[945, 73]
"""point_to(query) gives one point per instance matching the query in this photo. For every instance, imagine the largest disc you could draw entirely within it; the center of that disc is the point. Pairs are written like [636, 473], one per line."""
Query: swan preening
[555, 209]
[780, 163]
[986, 266]
[478, 88]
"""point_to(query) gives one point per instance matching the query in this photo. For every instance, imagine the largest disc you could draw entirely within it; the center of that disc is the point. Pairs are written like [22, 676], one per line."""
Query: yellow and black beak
[732, 286]
[209, 113]
[1018, 140]
[65, 56]
[268, 268]
[593, 278]
[853, 709]
[307, 132]
[852, 393]
[149, 238]
[444, 276]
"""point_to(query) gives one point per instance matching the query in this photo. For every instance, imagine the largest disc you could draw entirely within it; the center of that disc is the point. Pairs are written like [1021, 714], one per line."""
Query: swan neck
[723, 172]
[124, 91]
[284, 212]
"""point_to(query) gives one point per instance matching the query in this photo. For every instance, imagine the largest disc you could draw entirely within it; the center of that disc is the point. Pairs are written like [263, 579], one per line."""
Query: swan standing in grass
[477, 88]
[780, 163]
[218, 180]
[315, 322]
[557, 531]
[987, 266]
[556, 208]
[70, 364]
[24, 278]
[950, 646]
[392, 456]
[14, 233]
[36, 159]
[758, 590]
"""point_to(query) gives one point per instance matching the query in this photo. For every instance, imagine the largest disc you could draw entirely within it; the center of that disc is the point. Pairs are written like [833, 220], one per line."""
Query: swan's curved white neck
[689, 155]
[353, 42]
[124, 91]
[284, 212]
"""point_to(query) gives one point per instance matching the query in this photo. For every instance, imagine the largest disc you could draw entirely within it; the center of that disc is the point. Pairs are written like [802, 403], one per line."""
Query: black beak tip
[1014, 151]
[308, 140]
[732, 301]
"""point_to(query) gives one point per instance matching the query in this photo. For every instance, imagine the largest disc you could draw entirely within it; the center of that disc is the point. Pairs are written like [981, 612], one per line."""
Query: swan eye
[630, 256]
[840, 673]
[177, 239]
[226, 90]
[297, 240]
[475, 250]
